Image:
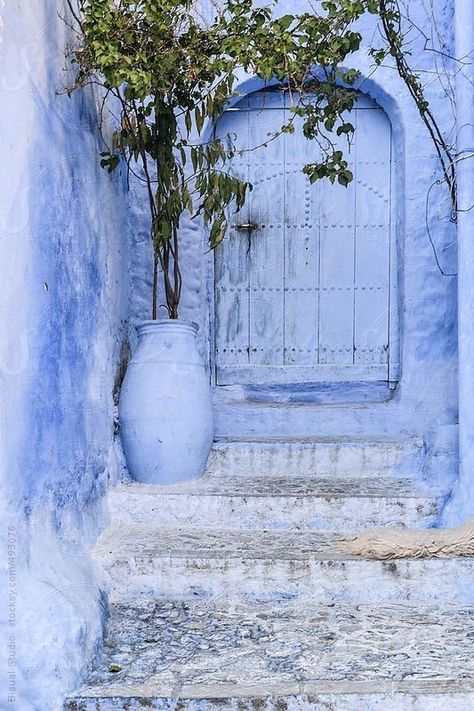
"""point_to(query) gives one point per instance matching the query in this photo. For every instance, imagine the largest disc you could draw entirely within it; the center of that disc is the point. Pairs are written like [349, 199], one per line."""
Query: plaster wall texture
[463, 494]
[63, 251]
[425, 401]
[64, 295]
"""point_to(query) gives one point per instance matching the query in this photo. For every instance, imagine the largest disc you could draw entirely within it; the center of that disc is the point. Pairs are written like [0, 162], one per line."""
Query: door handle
[247, 226]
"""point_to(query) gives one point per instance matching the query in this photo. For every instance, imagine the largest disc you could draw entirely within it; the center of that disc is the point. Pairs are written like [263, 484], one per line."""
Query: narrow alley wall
[64, 298]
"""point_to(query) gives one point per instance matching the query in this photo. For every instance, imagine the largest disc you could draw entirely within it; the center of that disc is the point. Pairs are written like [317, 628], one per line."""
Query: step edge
[415, 490]
[106, 559]
[380, 687]
[328, 439]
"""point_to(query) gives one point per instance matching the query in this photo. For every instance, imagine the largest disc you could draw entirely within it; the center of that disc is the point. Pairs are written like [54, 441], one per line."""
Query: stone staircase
[231, 592]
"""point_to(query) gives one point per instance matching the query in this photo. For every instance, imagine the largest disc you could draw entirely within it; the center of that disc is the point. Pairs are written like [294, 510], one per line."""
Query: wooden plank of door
[231, 260]
[336, 276]
[266, 245]
[280, 374]
[301, 276]
[372, 258]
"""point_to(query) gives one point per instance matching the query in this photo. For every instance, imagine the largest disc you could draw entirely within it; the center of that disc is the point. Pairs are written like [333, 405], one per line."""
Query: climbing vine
[394, 35]
[171, 74]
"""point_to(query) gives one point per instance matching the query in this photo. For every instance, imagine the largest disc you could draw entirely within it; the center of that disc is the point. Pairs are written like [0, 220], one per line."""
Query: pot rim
[166, 324]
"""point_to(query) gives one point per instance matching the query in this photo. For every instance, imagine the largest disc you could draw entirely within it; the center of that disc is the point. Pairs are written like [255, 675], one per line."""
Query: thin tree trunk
[155, 288]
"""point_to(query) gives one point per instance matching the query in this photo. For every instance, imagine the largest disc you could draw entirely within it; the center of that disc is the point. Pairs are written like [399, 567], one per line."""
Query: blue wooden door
[306, 293]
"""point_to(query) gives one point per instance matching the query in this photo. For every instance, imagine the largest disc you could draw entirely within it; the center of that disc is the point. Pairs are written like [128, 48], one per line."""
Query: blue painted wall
[425, 403]
[64, 294]
[65, 234]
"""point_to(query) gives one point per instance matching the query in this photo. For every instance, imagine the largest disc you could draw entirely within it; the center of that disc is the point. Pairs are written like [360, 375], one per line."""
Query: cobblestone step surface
[299, 565]
[230, 593]
[167, 650]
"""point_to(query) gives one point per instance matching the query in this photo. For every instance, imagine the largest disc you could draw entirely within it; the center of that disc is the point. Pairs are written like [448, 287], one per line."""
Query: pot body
[165, 407]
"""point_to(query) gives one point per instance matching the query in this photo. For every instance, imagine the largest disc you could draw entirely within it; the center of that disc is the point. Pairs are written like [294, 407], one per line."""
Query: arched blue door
[307, 294]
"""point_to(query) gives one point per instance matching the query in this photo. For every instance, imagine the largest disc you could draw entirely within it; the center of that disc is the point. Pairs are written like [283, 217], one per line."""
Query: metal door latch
[247, 226]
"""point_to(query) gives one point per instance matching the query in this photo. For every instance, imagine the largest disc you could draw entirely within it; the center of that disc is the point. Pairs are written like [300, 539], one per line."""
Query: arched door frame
[250, 84]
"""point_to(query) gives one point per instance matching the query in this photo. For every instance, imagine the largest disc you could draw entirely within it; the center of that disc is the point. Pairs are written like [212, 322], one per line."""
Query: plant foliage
[173, 74]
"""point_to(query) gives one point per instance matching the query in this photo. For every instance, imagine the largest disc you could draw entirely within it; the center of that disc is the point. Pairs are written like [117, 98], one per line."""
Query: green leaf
[345, 128]
[286, 21]
[199, 116]
[188, 121]
[217, 232]
[194, 158]
[344, 178]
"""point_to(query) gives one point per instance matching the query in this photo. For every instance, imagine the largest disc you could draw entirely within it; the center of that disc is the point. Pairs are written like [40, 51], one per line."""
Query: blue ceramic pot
[165, 407]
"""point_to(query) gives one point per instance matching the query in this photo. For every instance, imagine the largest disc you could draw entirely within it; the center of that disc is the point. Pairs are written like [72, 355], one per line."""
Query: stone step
[166, 654]
[265, 565]
[328, 457]
[277, 503]
[338, 696]
[237, 413]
